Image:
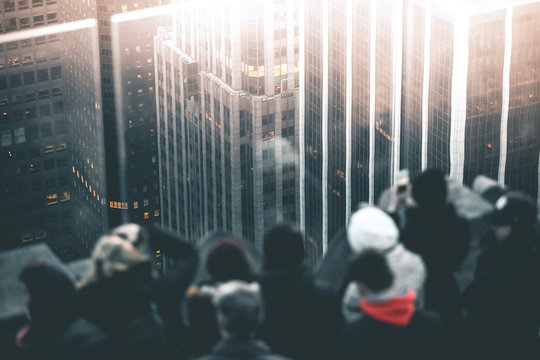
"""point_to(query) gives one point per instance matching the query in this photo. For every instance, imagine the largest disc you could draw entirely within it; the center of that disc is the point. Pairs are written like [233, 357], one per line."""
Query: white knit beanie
[371, 227]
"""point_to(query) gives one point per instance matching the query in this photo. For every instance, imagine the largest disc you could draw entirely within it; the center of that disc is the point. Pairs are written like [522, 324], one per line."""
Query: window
[146, 215]
[24, 23]
[45, 110]
[46, 129]
[56, 72]
[39, 20]
[48, 149]
[156, 212]
[145, 202]
[19, 135]
[66, 196]
[58, 107]
[52, 18]
[29, 77]
[43, 75]
[30, 113]
[5, 138]
[15, 80]
[135, 204]
[52, 199]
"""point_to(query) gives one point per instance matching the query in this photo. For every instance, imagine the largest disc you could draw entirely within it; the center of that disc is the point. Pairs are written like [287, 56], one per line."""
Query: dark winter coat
[122, 307]
[241, 349]
[503, 300]
[168, 290]
[441, 237]
[77, 340]
[302, 320]
[423, 338]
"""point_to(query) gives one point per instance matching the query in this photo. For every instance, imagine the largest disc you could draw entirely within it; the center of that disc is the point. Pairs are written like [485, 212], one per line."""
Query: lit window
[52, 199]
[48, 149]
[156, 212]
[135, 204]
[146, 215]
[61, 147]
[124, 8]
[66, 196]
[145, 202]
[26, 237]
[38, 235]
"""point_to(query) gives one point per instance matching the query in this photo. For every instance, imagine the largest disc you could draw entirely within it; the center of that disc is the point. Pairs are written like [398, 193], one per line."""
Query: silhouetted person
[435, 231]
[302, 319]
[117, 298]
[503, 299]
[56, 329]
[167, 290]
[391, 327]
[226, 260]
[370, 227]
[239, 312]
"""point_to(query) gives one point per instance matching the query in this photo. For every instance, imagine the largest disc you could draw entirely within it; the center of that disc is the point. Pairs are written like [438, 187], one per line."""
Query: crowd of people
[398, 299]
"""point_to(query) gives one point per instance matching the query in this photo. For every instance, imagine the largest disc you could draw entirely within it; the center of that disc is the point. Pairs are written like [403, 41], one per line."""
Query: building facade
[52, 178]
[129, 115]
[228, 89]
[414, 84]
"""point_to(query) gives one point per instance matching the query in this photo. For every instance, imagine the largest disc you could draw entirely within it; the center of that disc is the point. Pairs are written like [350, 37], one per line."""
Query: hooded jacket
[238, 349]
[301, 319]
[56, 330]
[373, 228]
[121, 306]
[392, 329]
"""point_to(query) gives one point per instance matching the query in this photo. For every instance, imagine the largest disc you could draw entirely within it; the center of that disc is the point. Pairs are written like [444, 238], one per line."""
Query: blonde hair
[112, 255]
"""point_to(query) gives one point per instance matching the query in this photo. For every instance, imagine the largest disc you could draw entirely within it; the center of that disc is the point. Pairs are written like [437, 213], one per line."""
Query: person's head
[370, 227]
[113, 255]
[514, 213]
[239, 308]
[370, 270]
[283, 247]
[137, 236]
[52, 296]
[429, 188]
[227, 260]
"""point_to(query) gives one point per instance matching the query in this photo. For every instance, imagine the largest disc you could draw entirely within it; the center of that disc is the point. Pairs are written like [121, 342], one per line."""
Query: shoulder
[427, 321]
[359, 329]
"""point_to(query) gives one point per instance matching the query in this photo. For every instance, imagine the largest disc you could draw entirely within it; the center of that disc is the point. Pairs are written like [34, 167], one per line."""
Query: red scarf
[397, 311]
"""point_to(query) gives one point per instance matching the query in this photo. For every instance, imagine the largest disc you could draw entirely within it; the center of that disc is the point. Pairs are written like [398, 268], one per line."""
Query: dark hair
[53, 296]
[239, 308]
[371, 269]
[227, 260]
[429, 188]
[283, 247]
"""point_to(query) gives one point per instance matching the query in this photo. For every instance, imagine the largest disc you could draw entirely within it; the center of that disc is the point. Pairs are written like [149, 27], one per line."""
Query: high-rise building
[415, 84]
[52, 165]
[134, 87]
[129, 131]
[228, 89]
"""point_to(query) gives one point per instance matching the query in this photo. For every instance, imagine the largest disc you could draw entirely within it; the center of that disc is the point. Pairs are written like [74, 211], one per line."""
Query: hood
[397, 311]
[286, 279]
[118, 299]
[238, 348]
[371, 227]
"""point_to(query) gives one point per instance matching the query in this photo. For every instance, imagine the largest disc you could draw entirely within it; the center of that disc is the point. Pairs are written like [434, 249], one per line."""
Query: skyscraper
[52, 161]
[415, 84]
[132, 191]
[228, 86]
